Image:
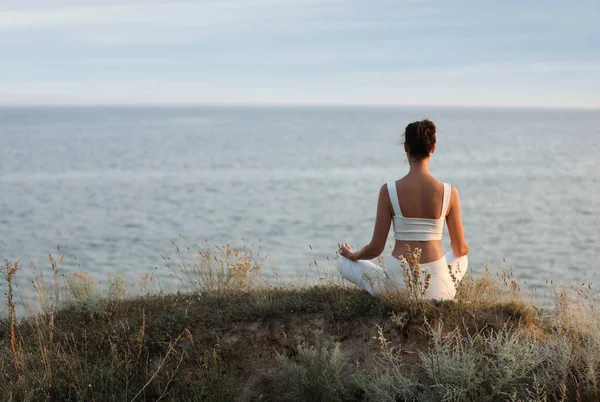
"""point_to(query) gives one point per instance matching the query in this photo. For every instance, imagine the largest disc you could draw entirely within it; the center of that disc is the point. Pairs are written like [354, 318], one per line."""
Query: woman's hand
[346, 251]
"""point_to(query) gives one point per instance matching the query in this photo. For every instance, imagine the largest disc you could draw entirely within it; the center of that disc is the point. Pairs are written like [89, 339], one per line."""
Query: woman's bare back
[420, 196]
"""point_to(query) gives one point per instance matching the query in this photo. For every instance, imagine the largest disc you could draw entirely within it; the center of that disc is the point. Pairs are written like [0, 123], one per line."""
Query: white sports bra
[418, 229]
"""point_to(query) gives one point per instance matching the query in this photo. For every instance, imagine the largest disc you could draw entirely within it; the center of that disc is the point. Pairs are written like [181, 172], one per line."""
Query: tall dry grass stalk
[9, 270]
[44, 330]
[141, 334]
[193, 343]
[416, 280]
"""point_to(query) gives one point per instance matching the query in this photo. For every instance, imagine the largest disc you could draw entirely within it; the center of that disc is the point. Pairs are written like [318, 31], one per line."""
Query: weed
[316, 374]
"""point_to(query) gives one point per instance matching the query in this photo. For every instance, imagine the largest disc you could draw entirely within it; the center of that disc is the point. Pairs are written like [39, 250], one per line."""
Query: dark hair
[420, 138]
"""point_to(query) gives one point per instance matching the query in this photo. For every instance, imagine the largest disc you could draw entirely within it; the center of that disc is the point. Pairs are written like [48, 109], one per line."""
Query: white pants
[377, 280]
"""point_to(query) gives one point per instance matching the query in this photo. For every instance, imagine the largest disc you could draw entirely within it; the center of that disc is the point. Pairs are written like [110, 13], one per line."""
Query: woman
[417, 204]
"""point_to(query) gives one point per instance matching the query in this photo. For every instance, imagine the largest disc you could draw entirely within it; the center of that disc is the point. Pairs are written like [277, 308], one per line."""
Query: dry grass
[9, 270]
[223, 269]
[410, 290]
[235, 336]
[416, 280]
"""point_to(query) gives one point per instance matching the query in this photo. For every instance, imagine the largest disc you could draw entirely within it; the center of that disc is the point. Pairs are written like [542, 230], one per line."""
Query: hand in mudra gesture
[346, 251]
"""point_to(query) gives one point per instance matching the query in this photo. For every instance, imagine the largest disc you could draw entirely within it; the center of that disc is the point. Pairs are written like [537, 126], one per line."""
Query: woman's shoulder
[386, 187]
[452, 187]
[391, 186]
[447, 184]
[389, 183]
[454, 196]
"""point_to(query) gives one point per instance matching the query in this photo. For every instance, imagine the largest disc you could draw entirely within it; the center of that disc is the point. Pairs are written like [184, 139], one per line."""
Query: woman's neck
[421, 166]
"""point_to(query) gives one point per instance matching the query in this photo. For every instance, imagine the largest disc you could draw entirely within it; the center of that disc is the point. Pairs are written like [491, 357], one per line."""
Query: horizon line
[292, 105]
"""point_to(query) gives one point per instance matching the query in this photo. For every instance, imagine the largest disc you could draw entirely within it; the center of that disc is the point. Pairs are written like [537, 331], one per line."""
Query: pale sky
[283, 52]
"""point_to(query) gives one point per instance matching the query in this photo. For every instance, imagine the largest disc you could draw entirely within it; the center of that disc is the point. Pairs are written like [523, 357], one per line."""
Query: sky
[301, 52]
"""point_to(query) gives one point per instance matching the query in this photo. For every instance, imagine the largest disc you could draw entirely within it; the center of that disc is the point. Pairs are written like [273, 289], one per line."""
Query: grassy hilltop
[233, 337]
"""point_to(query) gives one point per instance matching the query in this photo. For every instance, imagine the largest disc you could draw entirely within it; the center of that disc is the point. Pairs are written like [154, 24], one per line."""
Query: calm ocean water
[113, 186]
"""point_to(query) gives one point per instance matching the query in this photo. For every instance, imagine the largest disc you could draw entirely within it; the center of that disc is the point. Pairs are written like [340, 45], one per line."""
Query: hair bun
[426, 128]
[419, 138]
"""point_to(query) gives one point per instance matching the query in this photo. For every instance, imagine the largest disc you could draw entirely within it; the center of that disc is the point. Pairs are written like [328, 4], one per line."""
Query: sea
[115, 187]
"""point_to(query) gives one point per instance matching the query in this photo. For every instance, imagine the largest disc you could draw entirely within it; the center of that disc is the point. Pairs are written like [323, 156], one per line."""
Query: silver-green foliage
[317, 373]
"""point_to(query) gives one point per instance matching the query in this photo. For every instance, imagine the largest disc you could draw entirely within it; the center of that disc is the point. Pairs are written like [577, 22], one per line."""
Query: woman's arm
[455, 226]
[381, 230]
